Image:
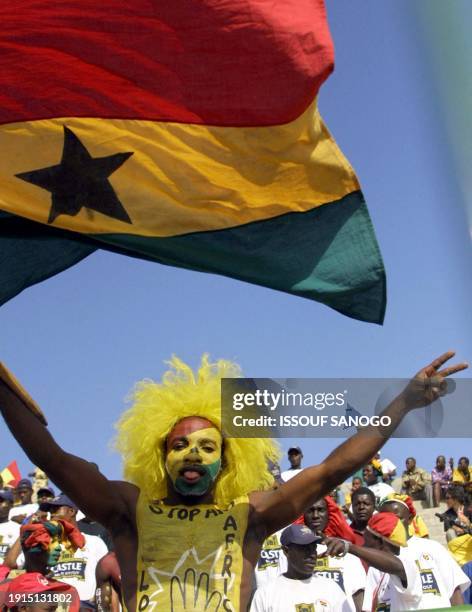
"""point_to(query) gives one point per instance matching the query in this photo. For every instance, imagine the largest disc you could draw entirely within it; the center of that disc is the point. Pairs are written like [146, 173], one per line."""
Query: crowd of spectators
[362, 546]
[367, 516]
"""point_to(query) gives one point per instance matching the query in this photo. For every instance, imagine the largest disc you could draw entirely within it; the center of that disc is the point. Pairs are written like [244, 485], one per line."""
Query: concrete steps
[435, 527]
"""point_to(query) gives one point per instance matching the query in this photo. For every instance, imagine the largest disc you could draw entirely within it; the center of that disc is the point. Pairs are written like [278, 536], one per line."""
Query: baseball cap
[60, 500]
[294, 449]
[34, 582]
[298, 534]
[49, 490]
[25, 483]
[6, 494]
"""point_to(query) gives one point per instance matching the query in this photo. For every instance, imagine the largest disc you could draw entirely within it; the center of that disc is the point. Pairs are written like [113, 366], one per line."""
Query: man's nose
[193, 456]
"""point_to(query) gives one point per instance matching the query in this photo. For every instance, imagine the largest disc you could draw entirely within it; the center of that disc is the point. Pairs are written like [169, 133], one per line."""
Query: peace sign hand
[430, 382]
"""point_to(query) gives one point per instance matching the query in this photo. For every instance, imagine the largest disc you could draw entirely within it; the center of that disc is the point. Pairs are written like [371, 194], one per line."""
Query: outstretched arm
[278, 508]
[96, 496]
[382, 560]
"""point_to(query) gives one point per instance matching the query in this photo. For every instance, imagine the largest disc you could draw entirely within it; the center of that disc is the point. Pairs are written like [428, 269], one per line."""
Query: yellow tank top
[190, 557]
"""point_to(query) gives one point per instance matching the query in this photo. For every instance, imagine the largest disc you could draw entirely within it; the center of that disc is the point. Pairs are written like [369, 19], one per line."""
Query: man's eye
[208, 449]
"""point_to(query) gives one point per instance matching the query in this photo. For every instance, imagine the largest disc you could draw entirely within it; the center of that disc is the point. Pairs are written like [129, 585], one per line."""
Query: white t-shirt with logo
[9, 533]
[387, 591]
[78, 569]
[347, 572]
[272, 561]
[440, 573]
[313, 594]
[27, 509]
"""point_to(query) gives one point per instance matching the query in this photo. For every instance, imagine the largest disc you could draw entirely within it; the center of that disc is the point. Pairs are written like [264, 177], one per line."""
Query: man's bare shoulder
[127, 494]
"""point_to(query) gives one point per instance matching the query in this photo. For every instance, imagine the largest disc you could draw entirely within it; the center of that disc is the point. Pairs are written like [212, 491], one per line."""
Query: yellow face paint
[194, 459]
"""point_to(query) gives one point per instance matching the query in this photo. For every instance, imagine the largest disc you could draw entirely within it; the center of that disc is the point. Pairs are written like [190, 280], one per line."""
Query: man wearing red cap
[443, 581]
[393, 580]
[176, 502]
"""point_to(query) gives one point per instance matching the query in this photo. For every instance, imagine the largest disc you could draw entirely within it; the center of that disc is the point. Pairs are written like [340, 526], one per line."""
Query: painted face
[193, 456]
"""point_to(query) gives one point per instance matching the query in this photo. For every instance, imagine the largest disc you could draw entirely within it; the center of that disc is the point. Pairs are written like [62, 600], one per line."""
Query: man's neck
[295, 575]
[359, 525]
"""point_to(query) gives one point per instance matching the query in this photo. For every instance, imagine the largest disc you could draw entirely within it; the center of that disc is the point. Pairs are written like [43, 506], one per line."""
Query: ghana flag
[184, 132]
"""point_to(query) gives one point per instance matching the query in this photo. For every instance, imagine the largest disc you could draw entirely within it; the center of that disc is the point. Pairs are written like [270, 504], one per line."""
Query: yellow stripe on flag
[182, 178]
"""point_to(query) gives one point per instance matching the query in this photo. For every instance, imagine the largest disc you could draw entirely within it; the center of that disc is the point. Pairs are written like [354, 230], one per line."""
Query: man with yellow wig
[189, 525]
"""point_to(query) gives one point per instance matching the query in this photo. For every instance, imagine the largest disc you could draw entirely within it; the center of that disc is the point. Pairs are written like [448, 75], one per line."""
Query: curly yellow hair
[157, 407]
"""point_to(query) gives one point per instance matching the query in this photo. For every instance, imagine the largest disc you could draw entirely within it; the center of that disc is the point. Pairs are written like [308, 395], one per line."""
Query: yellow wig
[157, 407]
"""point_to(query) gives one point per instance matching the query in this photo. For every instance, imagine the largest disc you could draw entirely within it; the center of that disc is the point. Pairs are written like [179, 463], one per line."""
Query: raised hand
[430, 382]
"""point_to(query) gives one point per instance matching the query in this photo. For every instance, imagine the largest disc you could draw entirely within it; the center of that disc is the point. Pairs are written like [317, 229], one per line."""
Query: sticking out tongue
[191, 475]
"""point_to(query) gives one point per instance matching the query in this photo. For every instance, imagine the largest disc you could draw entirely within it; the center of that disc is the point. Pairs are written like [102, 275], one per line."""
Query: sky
[81, 340]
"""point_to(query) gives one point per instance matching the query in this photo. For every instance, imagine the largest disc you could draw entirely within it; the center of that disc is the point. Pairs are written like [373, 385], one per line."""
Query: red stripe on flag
[219, 62]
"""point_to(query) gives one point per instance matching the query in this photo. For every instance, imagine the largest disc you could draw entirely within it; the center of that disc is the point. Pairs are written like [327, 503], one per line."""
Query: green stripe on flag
[328, 254]
[31, 252]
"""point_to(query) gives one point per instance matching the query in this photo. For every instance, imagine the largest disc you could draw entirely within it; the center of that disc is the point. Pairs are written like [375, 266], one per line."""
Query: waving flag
[181, 132]
[10, 475]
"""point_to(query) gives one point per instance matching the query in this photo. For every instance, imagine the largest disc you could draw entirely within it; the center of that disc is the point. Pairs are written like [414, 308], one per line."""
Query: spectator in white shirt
[393, 579]
[443, 581]
[24, 492]
[295, 456]
[379, 489]
[389, 469]
[298, 588]
[9, 530]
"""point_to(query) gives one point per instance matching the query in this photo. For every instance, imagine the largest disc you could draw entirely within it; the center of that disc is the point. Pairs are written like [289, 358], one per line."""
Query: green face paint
[198, 452]
[204, 483]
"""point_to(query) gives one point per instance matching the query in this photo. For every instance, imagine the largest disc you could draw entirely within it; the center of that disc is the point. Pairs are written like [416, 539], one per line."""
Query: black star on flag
[80, 180]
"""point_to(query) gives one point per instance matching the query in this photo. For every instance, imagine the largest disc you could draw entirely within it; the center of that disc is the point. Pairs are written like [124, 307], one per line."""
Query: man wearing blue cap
[24, 492]
[298, 589]
[9, 531]
[76, 568]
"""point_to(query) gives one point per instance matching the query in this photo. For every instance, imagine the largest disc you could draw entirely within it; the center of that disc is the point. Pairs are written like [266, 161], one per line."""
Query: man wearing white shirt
[76, 568]
[389, 469]
[24, 491]
[393, 579]
[379, 489]
[9, 530]
[443, 581]
[295, 456]
[298, 589]
[272, 561]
